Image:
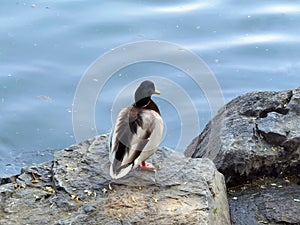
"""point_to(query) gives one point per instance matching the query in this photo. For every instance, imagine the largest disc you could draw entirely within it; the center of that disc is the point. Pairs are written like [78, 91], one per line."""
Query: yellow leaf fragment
[36, 197]
[244, 188]
[109, 187]
[262, 221]
[49, 190]
[119, 217]
[155, 200]
[133, 198]
[215, 213]
[172, 209]
[104, 190]
[88, 192]
[75, 198]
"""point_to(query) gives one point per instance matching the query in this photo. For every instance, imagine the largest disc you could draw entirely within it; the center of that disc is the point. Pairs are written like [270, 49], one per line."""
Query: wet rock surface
[76, 189]
[256, 134]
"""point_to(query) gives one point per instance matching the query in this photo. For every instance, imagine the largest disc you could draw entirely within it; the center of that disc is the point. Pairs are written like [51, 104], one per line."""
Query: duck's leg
[147, 166]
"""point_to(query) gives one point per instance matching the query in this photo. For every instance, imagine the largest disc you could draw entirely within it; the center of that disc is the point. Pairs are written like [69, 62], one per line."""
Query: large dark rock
[76, 189]
[254, 135]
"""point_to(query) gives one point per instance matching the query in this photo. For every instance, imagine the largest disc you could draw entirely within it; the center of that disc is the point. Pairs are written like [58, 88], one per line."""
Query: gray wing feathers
[130, 148]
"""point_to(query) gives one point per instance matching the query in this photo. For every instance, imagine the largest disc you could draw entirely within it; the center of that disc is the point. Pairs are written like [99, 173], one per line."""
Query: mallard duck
[137, 133]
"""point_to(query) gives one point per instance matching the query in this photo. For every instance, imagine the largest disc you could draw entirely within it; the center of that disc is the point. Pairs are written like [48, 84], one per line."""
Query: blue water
[47, 46]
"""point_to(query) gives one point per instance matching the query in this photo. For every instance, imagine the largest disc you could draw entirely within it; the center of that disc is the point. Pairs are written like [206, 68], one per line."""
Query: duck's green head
[145, 90]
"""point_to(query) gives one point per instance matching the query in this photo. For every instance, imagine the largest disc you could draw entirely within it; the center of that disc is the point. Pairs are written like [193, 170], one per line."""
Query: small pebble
[88, 208]
[44, 221]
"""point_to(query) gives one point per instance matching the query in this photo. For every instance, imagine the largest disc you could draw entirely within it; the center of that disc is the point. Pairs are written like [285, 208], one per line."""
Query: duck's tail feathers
[120, 172]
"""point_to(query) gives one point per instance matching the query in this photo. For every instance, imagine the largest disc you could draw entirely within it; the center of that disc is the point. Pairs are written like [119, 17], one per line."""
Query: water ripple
[240, 40]
[280, 8]
[184, 7]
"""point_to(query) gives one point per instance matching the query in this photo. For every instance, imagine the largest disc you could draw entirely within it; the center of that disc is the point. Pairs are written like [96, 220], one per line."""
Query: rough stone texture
[266, 201]
[256, 134]
[76, 189]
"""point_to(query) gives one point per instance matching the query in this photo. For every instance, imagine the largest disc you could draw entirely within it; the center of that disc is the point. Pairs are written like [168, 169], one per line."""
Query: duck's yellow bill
[156, 92]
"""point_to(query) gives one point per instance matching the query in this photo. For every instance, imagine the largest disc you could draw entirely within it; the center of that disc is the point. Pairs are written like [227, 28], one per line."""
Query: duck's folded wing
[120, 136]
[136, 137]
[124, 137]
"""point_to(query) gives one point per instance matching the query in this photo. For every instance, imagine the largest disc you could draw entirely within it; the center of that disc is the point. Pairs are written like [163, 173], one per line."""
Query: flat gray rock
[76, 189]
[254, 135]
